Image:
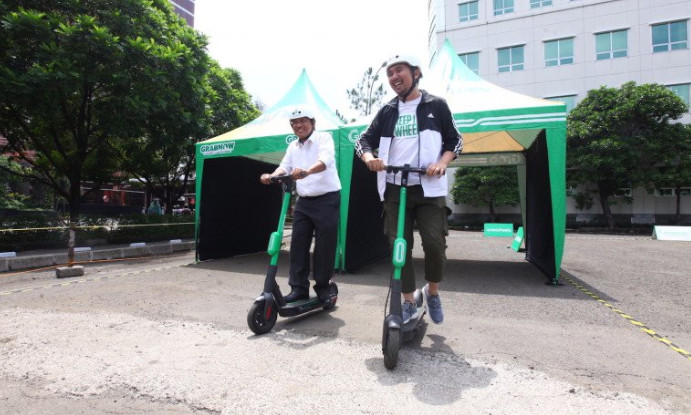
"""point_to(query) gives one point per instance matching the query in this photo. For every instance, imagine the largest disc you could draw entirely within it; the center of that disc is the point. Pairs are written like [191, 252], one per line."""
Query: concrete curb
[21, 262]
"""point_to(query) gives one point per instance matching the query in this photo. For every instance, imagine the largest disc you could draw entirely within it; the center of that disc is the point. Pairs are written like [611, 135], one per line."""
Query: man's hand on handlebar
[299, 173]
[265, 178]
[436, 169]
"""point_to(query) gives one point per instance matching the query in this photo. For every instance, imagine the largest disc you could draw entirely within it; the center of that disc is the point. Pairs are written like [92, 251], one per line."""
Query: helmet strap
[413, 86]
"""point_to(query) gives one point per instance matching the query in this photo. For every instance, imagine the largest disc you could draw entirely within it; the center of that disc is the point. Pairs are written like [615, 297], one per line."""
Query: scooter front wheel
[392, 344]
[259, 320]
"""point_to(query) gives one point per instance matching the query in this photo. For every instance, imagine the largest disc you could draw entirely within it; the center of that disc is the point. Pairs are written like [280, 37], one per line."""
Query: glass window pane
[602, 43]
[566, 47]
[660, 35]
[474, 62]
[517, 54]
[504, 57]
[619, 41]
[682, 90]
[551, 50]
[677, 32]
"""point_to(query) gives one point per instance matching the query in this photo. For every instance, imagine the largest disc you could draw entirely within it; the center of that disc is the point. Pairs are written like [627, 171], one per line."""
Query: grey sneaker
[433, 302]
[409, 311]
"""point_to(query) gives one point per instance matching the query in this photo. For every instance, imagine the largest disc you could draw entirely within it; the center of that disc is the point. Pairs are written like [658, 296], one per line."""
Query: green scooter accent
[393, 322]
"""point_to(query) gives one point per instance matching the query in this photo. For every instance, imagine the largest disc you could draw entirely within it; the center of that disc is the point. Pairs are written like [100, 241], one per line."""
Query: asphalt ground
[167, 335]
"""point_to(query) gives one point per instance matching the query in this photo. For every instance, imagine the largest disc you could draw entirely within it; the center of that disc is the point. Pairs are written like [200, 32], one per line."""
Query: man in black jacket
[418, 129]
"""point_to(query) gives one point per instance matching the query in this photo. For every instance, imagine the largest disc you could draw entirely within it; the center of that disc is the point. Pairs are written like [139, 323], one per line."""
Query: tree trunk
[677, 213]
[606, 209]
[492, 214]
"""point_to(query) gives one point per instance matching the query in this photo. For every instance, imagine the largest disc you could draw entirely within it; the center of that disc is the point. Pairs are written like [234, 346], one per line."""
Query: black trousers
[318, 217]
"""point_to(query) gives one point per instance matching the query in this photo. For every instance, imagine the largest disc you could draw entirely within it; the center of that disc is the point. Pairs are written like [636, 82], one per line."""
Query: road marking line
[633, 321]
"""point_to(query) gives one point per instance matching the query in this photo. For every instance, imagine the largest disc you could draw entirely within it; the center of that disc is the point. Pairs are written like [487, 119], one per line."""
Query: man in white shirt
[310, 161]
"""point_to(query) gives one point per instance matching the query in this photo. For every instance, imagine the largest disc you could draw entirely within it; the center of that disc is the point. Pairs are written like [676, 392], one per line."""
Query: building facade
[561, 49]
[185, 8]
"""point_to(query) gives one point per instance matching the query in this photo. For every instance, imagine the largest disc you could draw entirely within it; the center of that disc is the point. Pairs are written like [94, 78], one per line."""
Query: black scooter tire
[258, 322]
[392, 345]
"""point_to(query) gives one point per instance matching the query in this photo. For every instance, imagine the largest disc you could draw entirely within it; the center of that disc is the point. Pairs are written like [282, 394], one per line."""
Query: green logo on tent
[354, 135]
[291, 138]
[220, 148]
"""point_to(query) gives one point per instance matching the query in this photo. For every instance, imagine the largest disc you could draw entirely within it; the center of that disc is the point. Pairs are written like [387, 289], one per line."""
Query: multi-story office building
[561, 49]
[185, 8]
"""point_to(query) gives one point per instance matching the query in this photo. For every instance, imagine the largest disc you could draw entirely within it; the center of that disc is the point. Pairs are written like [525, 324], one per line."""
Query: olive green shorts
[430, 215]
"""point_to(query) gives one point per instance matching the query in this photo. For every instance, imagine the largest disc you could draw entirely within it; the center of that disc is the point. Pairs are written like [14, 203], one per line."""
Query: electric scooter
[270, 304]
[394, 330]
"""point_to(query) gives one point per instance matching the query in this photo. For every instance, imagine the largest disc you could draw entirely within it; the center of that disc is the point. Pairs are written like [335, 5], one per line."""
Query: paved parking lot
[166, 335]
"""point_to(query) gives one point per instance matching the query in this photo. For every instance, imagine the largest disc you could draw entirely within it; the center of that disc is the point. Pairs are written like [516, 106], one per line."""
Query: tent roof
[492, 119]
[467, 92]
[274, 123]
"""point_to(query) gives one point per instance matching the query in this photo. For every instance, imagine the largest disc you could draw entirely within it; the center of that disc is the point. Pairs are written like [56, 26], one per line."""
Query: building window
[685, 191]
[503, 7]
[468, 11]
[471, 60]
[534, 4]
[623, 192]
[664, 192]
[510, 59]
[682, 90]
[670, 36]
[611, 45]
[559, 52]
[569, 100]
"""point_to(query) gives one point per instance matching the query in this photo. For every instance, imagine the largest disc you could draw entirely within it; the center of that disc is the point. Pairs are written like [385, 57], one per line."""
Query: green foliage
[616, 135]
[85, 84]
[123, 230]
[368, 93]
[584, 200]
[486, 186]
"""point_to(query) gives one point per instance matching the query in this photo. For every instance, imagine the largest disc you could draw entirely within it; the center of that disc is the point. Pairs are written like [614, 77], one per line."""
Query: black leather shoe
[325, 299]
[296, 296]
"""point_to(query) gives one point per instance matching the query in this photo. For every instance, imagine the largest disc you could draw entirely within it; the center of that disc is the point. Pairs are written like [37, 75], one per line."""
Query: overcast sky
[270, 42]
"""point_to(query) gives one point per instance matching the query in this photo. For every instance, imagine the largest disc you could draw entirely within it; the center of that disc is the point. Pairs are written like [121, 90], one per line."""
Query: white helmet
[408, 59]
[301, 112]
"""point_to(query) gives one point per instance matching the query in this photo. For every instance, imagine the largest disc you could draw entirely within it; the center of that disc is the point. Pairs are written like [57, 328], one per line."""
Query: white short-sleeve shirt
[318, 147]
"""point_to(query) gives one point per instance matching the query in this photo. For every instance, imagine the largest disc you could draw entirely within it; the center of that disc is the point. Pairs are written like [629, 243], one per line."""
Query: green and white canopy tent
[503, 127]
[236, 213]
[499, 127]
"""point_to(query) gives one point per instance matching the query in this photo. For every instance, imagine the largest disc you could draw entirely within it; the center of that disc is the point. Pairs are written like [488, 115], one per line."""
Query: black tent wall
[238, 213]
[539, 235]
[365, 239]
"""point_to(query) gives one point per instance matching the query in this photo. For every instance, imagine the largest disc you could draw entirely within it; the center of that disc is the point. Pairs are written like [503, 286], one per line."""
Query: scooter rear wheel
[392, 344]
[258, 321]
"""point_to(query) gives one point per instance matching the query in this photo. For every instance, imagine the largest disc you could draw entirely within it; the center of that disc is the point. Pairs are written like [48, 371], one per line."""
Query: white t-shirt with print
[405, 145]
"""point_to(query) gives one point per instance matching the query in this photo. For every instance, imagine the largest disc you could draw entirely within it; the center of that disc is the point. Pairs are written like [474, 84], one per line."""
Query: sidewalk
[52, 257]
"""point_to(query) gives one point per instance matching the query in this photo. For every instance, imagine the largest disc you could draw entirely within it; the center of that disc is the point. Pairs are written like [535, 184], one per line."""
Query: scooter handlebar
[280, 178]
[409, 169]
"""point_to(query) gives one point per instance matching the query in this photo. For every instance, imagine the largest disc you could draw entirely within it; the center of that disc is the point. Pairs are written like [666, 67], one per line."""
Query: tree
[367, 94]
[486, 186]
[616, 135]
[80, 77]
[675, 170]
[163, 159]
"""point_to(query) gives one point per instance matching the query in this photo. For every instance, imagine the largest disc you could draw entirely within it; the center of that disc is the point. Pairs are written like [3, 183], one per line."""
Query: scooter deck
[301, 307]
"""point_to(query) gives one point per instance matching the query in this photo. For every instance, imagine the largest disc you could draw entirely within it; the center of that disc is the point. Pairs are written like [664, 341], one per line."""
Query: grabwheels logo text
[354, 135]
[291, 138]
[218, 148]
